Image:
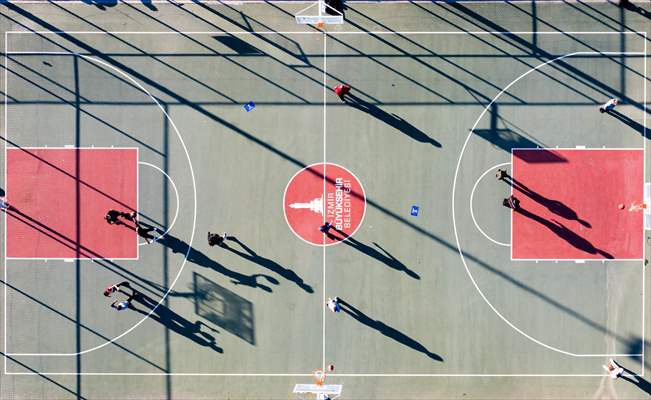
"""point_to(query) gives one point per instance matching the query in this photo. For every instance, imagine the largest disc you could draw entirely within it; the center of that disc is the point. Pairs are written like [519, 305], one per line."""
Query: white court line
[21, 148]
[472, 212]
[194, 188]
[454, 222]
[551, 149]
[644, 144]
[373, 2]
[194, 220]
[312, 375]
[4, 254]
[325, 165]
[32, 32]
[176, 192]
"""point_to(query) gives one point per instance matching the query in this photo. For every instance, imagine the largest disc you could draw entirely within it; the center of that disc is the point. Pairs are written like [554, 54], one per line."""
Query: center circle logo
[321, 193]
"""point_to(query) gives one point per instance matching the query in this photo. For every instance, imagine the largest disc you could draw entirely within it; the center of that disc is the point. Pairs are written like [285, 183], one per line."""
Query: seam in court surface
[194, 187]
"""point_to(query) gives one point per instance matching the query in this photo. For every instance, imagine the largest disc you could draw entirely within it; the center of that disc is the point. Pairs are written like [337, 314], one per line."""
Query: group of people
[115, 217]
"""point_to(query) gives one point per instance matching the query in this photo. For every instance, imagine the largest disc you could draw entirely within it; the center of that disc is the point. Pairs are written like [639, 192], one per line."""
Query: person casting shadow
[388, 259]
[391, 119]
[175, 322]
[630, 122]
[197, 257]
[269, 264]
[637, 380]
[564, 233]
[554, 206]
[386, 330]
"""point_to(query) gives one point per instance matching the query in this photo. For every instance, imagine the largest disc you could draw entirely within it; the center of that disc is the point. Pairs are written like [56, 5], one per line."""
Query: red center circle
[321, 193]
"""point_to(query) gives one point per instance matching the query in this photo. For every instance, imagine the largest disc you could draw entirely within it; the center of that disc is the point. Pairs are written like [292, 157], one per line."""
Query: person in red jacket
[342, 90]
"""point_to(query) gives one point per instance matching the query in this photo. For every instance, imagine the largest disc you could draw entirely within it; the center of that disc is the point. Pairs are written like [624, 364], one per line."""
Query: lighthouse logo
[323, 193]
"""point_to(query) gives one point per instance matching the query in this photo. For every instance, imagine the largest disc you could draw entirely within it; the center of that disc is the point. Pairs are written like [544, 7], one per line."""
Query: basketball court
[221, 117]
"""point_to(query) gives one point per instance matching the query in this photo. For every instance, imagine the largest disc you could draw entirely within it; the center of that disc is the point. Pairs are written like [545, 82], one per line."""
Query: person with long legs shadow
[386, 330]
[269, 264]
[387, 258]
[564, 233]
[554, 206]
[637, 380]
[175, 322]
[390, 119]
[195, 256]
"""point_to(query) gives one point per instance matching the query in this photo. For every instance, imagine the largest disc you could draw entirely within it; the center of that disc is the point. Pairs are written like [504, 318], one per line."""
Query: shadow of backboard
[223, 308]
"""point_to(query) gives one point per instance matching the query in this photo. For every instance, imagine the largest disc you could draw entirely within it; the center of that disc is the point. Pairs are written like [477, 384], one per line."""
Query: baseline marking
[194, 218]
[454, 222]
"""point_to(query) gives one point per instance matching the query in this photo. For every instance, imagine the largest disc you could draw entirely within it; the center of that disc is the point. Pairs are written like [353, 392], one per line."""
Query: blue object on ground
[414, 210]
[249, 106]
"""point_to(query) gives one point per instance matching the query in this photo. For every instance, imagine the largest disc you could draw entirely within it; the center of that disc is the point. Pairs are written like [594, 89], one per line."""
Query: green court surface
[434, 304]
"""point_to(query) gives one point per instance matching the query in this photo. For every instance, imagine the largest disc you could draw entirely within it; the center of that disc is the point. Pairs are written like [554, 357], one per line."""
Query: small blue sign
[249, 106]
[414, 210]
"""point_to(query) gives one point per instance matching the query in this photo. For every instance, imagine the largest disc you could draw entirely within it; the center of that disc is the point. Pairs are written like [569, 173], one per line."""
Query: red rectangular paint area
[59, 197]
[571, 204]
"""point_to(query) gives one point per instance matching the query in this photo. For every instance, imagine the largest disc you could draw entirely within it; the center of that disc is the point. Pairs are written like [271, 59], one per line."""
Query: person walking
[614, 370]
[511, 202]
[116, 288]
[124, 304]
[333, 304]
[215, 239]
[325, 227]
[501, 174]
[608, 106]
[342, 90]
[111, 217]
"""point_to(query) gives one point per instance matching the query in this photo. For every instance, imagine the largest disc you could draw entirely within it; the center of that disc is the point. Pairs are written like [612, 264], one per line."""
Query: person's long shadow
[175, 322]
[637, 380]
[386, 330]
[630, 122]
[387, 258]
[554, 206]
[197, 257]
[391, 119]
[252, 256]
[564, 233]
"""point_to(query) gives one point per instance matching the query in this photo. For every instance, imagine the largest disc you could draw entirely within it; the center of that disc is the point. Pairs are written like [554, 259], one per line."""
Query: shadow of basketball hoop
[223, 308]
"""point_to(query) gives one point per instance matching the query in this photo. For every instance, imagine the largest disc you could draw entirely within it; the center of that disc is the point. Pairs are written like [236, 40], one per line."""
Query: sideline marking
[472, 212]
[178, 204]
[194, 186]
[194, 219]
[454, 222]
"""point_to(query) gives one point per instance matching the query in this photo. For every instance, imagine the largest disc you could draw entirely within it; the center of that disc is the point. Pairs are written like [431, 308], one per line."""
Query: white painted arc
[454, 222]
[194, 218]
[472, 212]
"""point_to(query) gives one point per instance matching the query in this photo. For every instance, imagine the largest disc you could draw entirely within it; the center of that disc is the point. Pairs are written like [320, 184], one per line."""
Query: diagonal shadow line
[262, 37]
[393, 70]
[247, 69]
[560, 65]
[71, 103]
[180, 72]
[40, 75]
[69, 175]
[611, 58]
[44, 376]
[446, 59]
[113, 267]
[586, 5]
[85, 327]
[295, 161]
[150, 82]
[506, 54]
